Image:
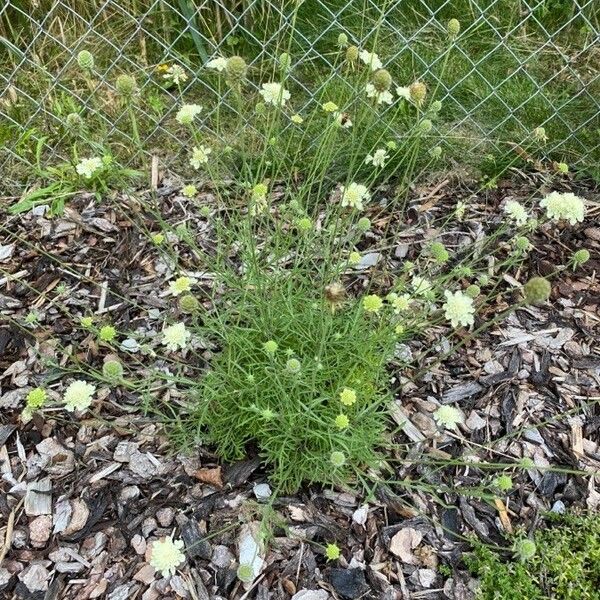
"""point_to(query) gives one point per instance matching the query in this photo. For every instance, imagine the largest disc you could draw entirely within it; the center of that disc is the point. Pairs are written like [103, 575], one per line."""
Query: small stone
[165, 516]
[222, 557]
[35, 577]
[311, 595]
[39, 530]
[262, 491]
[56, 459]
[138, 543]
[349, 583]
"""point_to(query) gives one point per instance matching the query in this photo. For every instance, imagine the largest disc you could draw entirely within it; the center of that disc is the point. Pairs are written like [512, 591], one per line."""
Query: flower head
[176, 74]
[354, 195]
[297, 119]
[401, 303]
[275, 94]
[539, 134]
[188, 304]
[453, 28]
[458, 309]
[78, 396]
[342, 421]
[270, 347]
[565, 206]
[166, 555]
[342, 120]
[189, 191]
[372, 303]
[364, 224]
[186, 114]
[332, 552]
[447, 416]
[382, 80]
[180, 285]
[107, 333]
[581, 257]
[384, 97]
[354, 258]
[352, 54]
[525, 549]
[342, 40]
[348, 397]
[36, 398]
[378, 158]
[217, 64]
[516, 211]
[88, 166]
[371, 59]
[330, 107]
[199, 156]
[175, 336]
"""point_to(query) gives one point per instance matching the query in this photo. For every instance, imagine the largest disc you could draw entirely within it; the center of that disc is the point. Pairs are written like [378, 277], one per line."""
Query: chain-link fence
[516, 65]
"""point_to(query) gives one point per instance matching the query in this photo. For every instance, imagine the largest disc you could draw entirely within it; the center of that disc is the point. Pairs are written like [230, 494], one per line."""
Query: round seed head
[425, 126]
[188, 304]
[382, 80]
[126, 85]
[436, 106]
[364, 224]
[352, 53]
[335, 293]
[418, 92]
[525, 549]
[337, 459]
[537, 290]
[342, 40]
[74, 122]
[581, 256]
[85, 60]
[293, 366]
[473, 291]
[112, 369]
[236, 68]
[245, 573]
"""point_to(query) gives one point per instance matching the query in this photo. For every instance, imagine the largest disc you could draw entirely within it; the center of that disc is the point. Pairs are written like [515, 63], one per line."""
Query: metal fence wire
[516, 65]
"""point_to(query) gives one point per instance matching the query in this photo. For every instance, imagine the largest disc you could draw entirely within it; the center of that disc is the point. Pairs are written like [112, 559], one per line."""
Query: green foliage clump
[565, 565]
[276, 384]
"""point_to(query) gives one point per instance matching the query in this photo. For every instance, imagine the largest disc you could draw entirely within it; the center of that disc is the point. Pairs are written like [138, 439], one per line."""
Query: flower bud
[364, 224]
[285, 61]
[425, 126]
[342, 40]
[85, 60]
[537, 290]
[453, 28]
[539, 134]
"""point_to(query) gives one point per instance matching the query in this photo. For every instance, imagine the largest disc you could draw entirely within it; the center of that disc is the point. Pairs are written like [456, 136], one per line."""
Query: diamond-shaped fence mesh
[516, 65]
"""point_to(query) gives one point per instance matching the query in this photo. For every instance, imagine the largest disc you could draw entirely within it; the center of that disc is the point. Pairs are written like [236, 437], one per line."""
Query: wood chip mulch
[83, 500]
